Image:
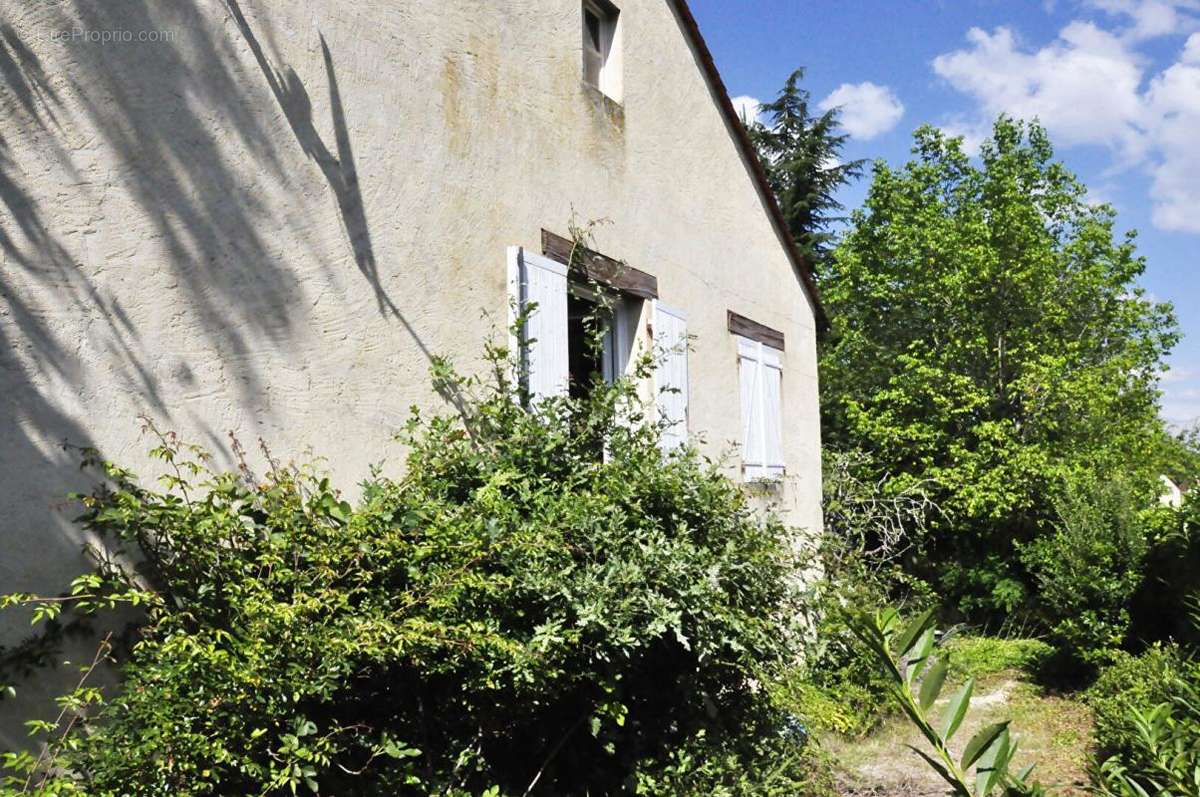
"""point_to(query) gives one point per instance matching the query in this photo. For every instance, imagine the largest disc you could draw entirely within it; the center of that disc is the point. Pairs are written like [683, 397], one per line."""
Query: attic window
[601, 47]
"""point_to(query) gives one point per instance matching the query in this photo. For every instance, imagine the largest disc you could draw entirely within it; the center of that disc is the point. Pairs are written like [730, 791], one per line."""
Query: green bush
[981, 656]
[1162, 752]
[870, 524]
[1089, 568]
[543, 604]
[1132, 682]
[1171, 567]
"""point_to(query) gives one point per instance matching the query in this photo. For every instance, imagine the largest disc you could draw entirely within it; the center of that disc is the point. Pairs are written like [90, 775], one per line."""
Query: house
[1171, 495]
[265, 217]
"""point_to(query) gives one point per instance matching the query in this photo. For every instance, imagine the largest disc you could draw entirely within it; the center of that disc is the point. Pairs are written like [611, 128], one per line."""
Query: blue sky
[1116, 83]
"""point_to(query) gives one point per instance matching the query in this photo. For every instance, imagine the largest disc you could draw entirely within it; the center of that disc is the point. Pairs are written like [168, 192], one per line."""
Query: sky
[1115, 82]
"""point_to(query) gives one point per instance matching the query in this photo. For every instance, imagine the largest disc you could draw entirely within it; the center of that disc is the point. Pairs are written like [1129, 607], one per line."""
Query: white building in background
[1171, 495]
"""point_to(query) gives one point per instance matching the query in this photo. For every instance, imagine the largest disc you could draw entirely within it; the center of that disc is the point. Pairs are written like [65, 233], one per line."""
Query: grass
[1053, 729]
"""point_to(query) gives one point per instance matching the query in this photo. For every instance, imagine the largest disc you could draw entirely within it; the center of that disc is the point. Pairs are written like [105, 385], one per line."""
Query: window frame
[767, 362]
[608, 78]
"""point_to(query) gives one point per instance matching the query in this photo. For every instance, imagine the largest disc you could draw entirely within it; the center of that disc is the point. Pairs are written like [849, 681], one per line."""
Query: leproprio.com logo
[113, 36]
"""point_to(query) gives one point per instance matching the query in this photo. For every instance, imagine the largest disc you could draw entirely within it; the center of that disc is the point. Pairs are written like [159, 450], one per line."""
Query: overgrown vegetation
[542, 604]
[993, 445]
[1147, 734]
[991, 339]
[905, 653]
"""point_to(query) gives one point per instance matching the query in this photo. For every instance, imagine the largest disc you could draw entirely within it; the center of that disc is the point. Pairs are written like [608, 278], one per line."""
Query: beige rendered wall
[267, 219]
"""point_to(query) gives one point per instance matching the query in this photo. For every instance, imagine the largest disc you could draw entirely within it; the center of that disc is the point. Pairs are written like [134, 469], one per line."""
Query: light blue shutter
[772, 411]
[760, 377]
[538, 280]
[749, 380]
[671, 373]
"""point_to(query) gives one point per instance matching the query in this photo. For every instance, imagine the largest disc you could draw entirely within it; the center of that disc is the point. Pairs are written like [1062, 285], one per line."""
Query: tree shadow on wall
[171, 145]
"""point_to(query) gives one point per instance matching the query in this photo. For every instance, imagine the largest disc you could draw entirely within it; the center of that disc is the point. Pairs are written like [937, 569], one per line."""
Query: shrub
[1089, 568]
[1161, 754]
[1171, 566]
[981, 656]
[543, 604]
[1131, 682]
[870, 524]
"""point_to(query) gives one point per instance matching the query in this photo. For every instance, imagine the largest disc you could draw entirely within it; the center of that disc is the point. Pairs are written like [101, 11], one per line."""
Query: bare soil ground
[1052, 730]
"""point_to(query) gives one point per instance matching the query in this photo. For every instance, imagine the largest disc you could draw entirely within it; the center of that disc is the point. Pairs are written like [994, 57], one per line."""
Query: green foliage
[1148, 723]
[1132, 682]
[991, 339]
[905, 653]
[980, 656]
[801, 155]
[1160, 744]
[1089, 568]
[868, 528]
[785, 766]
[542, 604]
[1170, 582]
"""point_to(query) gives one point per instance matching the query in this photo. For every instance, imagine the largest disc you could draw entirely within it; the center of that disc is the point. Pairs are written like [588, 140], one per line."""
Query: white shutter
[671, 373]
[760, 375]
[749, 378]
[772, 411]
[534, 279]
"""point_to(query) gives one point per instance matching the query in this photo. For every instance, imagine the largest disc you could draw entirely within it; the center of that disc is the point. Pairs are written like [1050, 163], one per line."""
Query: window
[555, 355]
[760, 373]
[601, 47]
[618, 318]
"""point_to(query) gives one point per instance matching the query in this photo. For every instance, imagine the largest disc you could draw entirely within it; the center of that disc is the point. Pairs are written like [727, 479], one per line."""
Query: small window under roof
[601, 47]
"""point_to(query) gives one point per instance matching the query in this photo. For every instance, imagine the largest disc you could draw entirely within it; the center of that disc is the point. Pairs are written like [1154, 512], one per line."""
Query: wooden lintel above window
[740, 325]
[601, 268]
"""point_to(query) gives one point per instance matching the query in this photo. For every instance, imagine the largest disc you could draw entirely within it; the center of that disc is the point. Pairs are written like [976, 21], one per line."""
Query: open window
[601, 329]
[558, 350]
[602, 47]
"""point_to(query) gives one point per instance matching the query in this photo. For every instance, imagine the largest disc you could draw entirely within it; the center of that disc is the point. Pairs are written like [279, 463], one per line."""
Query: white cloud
[1084, 86]
[1090, 87]
[867, 109]
[1148, 19]
[747, 107]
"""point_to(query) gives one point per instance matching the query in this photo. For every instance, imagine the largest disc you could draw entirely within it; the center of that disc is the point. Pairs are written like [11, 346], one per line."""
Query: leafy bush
[1132, 682]
[1088, 570]
[870, 524]
[1163, 753]
[980, 656]
[1170, 581]
[543, 604]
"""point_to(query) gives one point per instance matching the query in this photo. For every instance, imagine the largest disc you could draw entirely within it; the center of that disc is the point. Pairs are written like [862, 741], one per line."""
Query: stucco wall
[267, 220]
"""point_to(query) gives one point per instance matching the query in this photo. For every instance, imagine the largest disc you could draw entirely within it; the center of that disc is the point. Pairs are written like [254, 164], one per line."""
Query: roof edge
[734, 122]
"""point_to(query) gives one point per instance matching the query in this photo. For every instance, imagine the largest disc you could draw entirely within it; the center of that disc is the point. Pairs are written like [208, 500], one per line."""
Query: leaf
[908, 637]
[956, 710]
[921, 653]
[981, 741]
[991, 766]
[931, 687]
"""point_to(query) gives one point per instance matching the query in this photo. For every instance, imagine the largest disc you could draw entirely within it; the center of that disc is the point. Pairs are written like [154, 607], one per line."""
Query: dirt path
[1051, 730]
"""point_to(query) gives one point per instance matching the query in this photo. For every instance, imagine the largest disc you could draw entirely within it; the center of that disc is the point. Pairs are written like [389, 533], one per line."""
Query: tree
[801, 155]
[991, 338]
